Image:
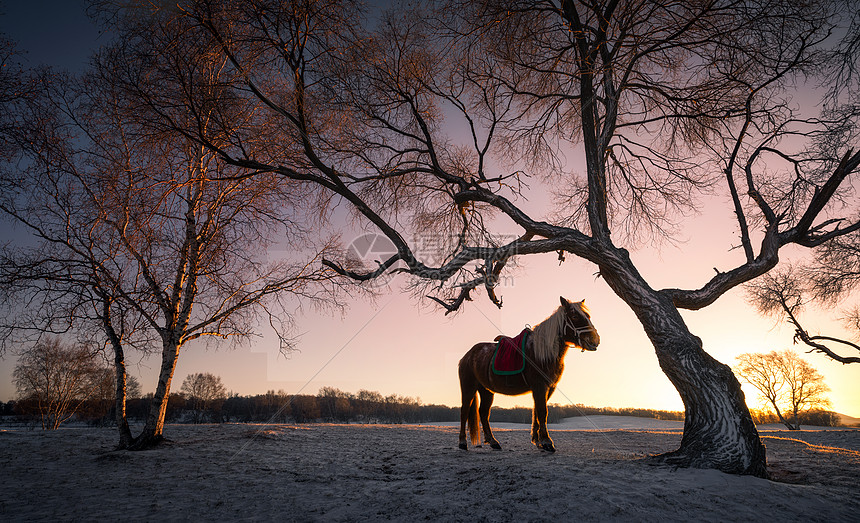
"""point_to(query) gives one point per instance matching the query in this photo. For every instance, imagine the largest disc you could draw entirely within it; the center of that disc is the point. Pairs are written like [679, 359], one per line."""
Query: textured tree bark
[718, 428]
[152, 433]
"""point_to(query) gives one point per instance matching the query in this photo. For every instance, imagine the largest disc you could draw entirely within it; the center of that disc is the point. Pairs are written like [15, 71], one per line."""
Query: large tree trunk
[152, 433]
[718, 429]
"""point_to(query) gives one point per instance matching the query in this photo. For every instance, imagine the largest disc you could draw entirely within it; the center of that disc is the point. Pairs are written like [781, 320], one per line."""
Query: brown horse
[570, 325]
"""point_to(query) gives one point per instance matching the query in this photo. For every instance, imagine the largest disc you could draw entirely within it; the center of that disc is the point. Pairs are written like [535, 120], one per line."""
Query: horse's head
[578, 329]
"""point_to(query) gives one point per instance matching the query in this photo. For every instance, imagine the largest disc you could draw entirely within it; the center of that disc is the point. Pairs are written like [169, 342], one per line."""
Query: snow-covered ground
[409, 472]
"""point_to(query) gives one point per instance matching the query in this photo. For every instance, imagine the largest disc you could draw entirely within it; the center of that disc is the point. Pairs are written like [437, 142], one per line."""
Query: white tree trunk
[153, 430]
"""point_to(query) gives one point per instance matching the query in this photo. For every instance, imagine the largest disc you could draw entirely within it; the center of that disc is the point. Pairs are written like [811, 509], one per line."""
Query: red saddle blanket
[509, 357]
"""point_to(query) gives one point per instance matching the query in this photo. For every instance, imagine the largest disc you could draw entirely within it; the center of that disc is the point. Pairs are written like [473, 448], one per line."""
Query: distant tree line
[332, 405]
[815, 417]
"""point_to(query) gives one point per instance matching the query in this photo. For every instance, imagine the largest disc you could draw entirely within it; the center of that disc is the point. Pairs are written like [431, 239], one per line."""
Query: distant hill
[848, 420]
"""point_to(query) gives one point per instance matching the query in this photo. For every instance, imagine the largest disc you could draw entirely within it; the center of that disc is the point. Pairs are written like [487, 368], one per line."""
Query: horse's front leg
[540, 436]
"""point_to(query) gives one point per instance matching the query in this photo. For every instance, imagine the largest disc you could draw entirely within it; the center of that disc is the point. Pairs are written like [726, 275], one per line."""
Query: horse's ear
[564, 302]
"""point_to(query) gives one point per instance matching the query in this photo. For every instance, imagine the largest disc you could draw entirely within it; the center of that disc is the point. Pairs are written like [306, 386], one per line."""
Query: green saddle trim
[522, 352]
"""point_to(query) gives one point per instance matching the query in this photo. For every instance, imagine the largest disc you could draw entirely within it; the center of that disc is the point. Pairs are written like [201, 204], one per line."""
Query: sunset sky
[397, 345]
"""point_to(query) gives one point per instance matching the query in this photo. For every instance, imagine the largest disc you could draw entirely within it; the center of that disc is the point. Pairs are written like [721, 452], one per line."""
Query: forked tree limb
[804, 233]
[801, 335]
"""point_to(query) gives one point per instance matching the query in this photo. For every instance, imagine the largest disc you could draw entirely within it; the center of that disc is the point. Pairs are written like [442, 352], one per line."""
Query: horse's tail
[473, 420]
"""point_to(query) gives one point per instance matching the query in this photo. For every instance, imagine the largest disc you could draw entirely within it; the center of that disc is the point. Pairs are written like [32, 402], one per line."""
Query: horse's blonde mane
[545, 336]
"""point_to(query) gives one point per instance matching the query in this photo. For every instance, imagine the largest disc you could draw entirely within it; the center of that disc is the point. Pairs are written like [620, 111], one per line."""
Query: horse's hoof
[548, 447]
[463, 446]
[496, 446]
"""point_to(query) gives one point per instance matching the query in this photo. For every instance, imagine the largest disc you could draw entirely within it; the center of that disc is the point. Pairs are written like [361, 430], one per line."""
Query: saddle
[509, 357]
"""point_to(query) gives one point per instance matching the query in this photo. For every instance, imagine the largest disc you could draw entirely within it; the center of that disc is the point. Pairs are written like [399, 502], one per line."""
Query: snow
[416, 472]
[589, 423]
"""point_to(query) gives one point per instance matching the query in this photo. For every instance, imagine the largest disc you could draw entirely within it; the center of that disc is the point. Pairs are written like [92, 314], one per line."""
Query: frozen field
[411, 473]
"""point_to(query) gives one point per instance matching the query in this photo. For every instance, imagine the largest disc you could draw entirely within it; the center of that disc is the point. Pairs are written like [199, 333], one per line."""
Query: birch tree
[142, 231]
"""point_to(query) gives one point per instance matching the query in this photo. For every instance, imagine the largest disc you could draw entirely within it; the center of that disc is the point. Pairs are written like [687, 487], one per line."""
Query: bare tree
[48, 295]
[104, 397]
[785, 293]
[139, 230]
[203, 389]
[302, 408]
[333, 403]
[61, 290]
[14, 87]
[784, 380]
[668, 103]
[57, 378]
[133, 388]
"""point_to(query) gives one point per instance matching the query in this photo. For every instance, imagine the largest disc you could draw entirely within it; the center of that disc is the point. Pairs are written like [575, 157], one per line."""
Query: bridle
[578, 331]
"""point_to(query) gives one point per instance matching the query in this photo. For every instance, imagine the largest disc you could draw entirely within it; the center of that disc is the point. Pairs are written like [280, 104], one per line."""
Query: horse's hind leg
[468, 408]
[484, 412]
